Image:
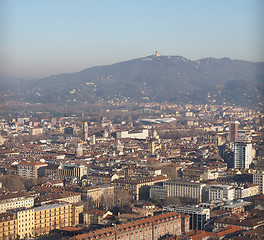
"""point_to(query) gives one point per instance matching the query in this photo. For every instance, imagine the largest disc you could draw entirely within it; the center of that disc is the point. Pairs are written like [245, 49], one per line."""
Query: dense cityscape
[159, 171]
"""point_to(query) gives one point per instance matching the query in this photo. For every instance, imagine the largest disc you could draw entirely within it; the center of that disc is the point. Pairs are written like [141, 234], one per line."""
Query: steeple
[156, 54]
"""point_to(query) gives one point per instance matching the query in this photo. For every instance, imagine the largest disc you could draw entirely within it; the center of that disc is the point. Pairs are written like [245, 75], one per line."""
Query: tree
[172, 201]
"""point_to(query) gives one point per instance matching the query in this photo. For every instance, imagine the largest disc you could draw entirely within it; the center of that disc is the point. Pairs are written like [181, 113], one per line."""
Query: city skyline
[41, 39]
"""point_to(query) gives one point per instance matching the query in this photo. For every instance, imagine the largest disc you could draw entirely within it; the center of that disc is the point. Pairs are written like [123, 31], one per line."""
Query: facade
[94, 216]
[51, 172]
[150, 228]
[69, 171]
[217, 192]
[247, 191]
[36, 131]
[50, 217]
[136, 187]
[31, 169]
[95, 193]
[181, 189]
[8, 229]
[141, 134]
[16, 200]
[25, 222]
[233, 130]
[198, 216]
[242, 152]
[258, 177]
[76, 210]
[101, 178]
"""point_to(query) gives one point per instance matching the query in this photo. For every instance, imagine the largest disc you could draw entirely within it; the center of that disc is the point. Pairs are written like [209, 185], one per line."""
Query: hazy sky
[44, 37]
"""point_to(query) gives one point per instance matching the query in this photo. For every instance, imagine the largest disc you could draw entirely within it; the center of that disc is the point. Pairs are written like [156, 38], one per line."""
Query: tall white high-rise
[243, 152]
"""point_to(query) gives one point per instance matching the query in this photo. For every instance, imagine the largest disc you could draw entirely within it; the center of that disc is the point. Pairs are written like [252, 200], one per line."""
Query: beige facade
[50, 217]
[76, 210]
[258, 178]
[134, 186]
[8, 223]
[25, 223]
[31, 169]
[185, 189]
[151, 228]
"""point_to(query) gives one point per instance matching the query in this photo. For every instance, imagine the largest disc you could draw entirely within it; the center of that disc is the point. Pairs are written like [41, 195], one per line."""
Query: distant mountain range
[153, 78]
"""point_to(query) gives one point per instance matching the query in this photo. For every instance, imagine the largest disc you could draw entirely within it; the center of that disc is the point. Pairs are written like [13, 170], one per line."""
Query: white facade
[258, 178]
[217, 192]
[15, 201]
[242, 153]
[142, 134]
[179, 188]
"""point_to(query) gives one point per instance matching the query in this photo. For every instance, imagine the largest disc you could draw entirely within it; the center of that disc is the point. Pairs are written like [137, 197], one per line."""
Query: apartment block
[25, 222]
[16, 200]
[198, 216]
[31, 169]
[50, 217]
[8, 229]
[217, 192]
[150, 228]
[135, 186]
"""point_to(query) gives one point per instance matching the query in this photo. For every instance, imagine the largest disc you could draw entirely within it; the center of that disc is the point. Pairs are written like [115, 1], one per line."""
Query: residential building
[138, 187]
[95, 193]
[243, 152]
[150, 228]
[258, 177]
[246, 191]
[233, 130]
[8, 229]
[31, 169]
[101, 178]
[25, 222]
[217, 192]
[16, 200]
[53, 216]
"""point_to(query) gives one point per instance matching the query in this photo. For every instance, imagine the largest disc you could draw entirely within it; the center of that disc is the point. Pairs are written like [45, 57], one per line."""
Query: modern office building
[243, 152]
[179, 188]
[69, 171]
[217, 192]
[198, 216]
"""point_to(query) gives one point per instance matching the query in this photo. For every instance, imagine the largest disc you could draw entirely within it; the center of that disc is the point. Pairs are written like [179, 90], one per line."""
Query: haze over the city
[41, 38]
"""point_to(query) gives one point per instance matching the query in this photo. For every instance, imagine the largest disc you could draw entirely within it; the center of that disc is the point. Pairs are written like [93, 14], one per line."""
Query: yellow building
[8, 223]
[76, 210]
[52, 216]
[25, 222]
